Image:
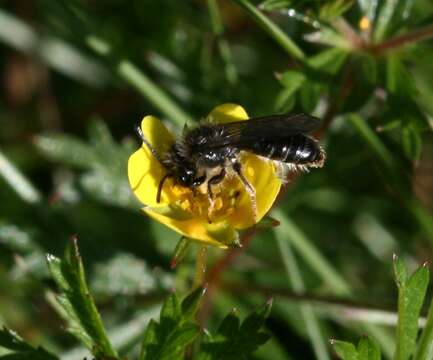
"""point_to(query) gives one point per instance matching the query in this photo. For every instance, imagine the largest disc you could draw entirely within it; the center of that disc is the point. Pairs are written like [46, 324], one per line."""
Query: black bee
[204, 154]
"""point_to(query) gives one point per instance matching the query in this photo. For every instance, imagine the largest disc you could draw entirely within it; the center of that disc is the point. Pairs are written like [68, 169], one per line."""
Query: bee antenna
[161, 183]
[147, 143]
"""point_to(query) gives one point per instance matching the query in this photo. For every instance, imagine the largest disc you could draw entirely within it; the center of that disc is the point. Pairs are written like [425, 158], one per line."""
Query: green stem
[136, 78]
[200, 266]
[272, 29]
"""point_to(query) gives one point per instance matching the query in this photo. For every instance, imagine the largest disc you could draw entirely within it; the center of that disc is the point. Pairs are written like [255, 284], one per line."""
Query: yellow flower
[191, 214]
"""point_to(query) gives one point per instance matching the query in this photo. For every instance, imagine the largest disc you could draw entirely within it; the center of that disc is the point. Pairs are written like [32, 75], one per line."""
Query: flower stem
[422, 34]
[200, 266]
[272, 29]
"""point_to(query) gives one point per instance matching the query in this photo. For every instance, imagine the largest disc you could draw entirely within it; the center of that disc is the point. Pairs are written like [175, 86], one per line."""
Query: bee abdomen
[297, 149]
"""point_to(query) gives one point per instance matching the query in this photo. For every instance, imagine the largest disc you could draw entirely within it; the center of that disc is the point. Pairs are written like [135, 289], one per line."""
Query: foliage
[411, 295]
[20, 349]
[79, 75]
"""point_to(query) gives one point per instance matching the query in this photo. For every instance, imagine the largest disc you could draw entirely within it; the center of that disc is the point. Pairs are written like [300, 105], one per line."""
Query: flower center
[198, 203]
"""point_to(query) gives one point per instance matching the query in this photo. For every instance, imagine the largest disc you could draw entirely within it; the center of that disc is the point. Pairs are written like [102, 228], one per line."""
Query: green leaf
[103, 158]
[400, 271]
[411, 296]
[292, 80]
[191, 303]
[175, 330]
[272, 29]
[17, 181]
[411, 140]
[368, 349]
[66, 149]
[329, 61]
[180, 251]
[392, 15]
[385, 15]
[235, 340]
[21, 350]
[425, 345]
[345, 350]
[81, 313]
[269, 5]
[399, 81]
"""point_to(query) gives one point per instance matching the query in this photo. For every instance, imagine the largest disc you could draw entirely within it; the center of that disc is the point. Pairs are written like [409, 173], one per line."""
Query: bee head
[187, 177]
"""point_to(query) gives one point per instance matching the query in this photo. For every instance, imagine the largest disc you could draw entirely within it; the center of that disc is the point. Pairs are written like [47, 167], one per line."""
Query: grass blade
[295, 277]
[310, 254]
[17, 181]
[273, 30]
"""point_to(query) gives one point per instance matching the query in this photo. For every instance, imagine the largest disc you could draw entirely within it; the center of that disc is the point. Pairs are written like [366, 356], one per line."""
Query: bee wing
[272, 127]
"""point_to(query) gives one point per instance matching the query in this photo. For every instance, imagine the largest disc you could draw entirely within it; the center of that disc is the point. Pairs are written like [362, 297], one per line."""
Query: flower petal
[261, 175]
[144, 170]
[227, 113]
[221, 234]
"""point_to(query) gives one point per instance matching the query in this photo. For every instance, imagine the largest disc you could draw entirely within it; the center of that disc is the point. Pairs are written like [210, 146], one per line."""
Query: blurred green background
[78, 75]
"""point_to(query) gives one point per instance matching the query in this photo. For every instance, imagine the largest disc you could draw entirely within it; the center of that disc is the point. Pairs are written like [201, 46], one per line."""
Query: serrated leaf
[191, 303]
[256, 320]
[230, 325]
[345, 350]
[82, 315]
[171, 308]
[178, 341]
[234, 340]
[150, 341]
[175, 330]
[12, 341]
[410, 299]
[368, 349]
[104, 159]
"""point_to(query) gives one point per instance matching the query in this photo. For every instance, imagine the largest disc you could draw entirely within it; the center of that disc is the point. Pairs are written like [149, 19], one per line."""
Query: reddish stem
[401, 40]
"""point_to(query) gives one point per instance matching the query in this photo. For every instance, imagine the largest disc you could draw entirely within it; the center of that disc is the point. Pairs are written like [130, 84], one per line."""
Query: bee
[204, 155]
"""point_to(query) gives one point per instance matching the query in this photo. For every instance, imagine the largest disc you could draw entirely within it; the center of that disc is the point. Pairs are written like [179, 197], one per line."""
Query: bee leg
[213, 181]
[148, 144]
[161, 183]
[248, 187]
